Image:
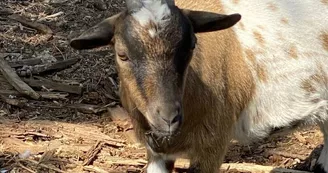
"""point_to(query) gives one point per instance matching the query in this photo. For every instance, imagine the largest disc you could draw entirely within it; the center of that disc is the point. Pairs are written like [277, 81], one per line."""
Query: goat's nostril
[177, 118]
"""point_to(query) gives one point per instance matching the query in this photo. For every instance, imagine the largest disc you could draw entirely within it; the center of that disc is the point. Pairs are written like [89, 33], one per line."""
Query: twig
[114, 143]
[24, 167]
[6, 11]
[14, 102]
[289, 155]
[94, 169]
[4, 55]
[35, 134]
[53, 85]
[53, 95]
[15, 81]
[21, 63]
[51, 16]
[56, 66]
[87, 108]
[38, 26]
[43, 165]
[46, 95]
[92, 153]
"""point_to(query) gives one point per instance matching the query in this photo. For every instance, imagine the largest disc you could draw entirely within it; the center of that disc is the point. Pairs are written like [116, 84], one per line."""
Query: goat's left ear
[207, 21]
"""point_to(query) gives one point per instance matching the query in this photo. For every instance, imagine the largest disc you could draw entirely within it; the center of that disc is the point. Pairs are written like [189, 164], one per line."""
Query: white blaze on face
[153, 11]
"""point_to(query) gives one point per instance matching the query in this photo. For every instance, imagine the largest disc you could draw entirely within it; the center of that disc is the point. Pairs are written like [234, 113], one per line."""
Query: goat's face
[154, 42]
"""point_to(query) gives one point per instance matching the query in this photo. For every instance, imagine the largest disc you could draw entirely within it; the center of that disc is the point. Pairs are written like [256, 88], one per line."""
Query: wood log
[75, 89]
[15, 81]
[38, 26]
[46, 95]
[21, 63]
[56, 66]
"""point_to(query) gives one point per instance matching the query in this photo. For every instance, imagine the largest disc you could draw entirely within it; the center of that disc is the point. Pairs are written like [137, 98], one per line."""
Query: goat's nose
[170, 116]
[176, 119]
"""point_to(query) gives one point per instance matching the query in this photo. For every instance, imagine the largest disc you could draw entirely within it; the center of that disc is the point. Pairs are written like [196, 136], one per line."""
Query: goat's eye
[122, 55]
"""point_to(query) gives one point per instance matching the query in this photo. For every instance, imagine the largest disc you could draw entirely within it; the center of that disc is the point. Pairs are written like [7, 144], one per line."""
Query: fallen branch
[92, 153]
[94, 169]
[53, 95]
[94, 150]
[5, 55]
[51, 16]
[15, 81]
[26, 168]
[38, 26]
[87, 108]
[46, 95]
[43, 165]
[53, 85]
[6, 11]
[288, 155]
[114, 143]
[13, 102]
[35, 134]
[56, 66]
[84, 108]
[28, 62]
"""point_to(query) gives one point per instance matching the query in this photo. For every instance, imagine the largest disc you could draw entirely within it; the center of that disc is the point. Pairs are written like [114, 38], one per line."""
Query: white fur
[153, 11]
[281, 100]
[152, 32]
[157, 166]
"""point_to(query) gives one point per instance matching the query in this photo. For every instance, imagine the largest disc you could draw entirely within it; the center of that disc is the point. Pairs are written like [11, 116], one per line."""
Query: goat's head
[154, 42]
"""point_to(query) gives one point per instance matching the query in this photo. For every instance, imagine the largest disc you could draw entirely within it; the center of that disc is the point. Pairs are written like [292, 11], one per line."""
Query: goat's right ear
[203, 21]
[98, 35]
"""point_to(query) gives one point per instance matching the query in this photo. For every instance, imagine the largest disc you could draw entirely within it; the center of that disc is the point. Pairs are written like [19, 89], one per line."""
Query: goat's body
[268, 72]
[284, 47]
[276, 62]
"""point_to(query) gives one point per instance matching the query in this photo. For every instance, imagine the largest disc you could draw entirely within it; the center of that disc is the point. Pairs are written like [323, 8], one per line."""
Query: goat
[193, 77]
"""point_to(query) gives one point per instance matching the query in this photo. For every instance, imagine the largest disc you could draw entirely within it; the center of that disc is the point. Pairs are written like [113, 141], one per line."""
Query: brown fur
[235, 1]
[258, 36]
[284, 21]
[218, 86]
[307, 86]
[319, 78]
[293, 53]
[272, 6]
[251, 56]
[324, 38]
[324, 2]
[261, 73]
[220, 104]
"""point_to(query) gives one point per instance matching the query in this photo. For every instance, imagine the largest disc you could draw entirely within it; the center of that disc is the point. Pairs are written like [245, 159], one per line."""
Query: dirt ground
[44, 136]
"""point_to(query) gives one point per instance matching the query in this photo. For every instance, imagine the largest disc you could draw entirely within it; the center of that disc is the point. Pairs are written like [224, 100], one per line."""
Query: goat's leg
[159, 164]
[205, 166]
[206, 163]
[322, 164]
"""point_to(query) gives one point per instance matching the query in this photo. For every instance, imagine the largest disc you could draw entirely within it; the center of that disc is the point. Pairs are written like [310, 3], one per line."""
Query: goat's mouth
[160, 141]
